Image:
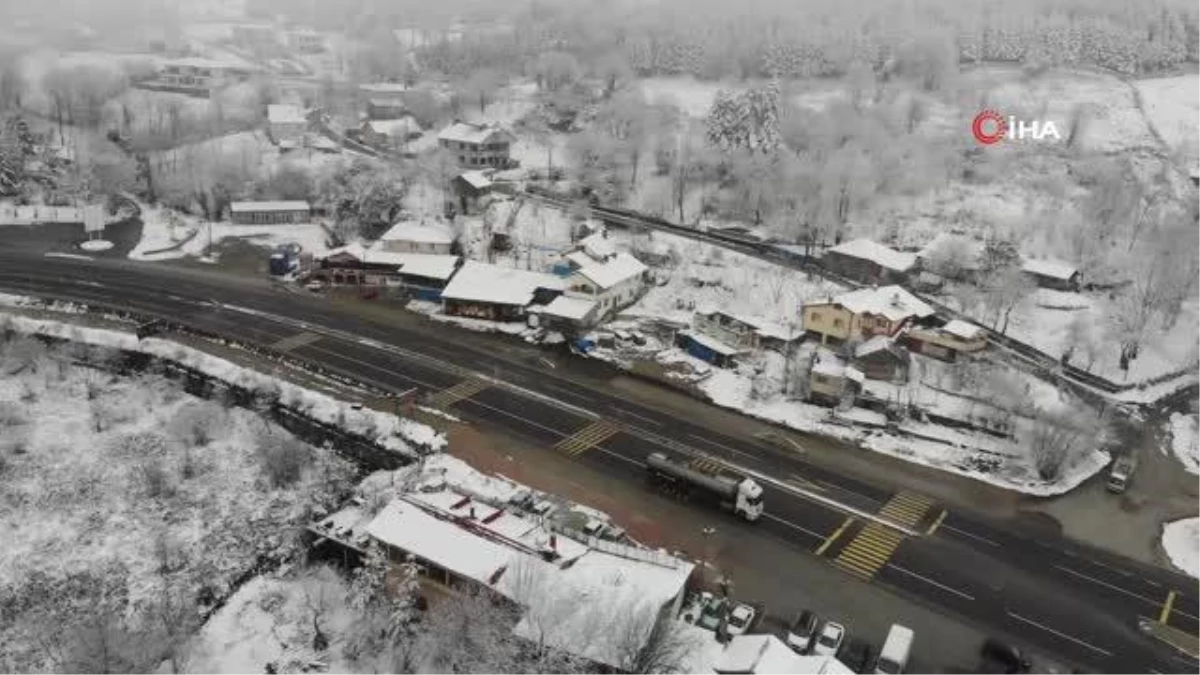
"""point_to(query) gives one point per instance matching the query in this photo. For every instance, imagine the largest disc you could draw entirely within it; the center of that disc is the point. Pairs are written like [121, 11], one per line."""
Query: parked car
[893, 657]
[740, 619]
[712, 613]
[802, 631]
[857, 655]
[829, 640]
[1000, 657]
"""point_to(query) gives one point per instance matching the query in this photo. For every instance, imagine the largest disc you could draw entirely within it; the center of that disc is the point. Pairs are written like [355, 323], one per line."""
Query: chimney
[472, 512]
[553, 542]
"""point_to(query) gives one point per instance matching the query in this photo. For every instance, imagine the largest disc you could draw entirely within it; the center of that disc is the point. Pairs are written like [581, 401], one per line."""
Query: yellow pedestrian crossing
[588, 437]
[868, 552]
[906, 508]
[291, 342]
[706, 465]
[462, 390]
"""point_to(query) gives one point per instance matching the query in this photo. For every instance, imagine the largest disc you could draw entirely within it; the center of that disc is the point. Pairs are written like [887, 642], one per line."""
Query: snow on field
[168, 234]
[1181, 541]
[1171, 106]
[130, 481]
[387, 430]
[509, 104]
[538, 234]
[1185, 440]
[692, 96]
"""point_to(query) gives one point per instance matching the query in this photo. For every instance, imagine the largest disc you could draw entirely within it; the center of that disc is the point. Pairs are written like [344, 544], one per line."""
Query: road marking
[1166, 610]
[804, 482]
[587, 437]
[969, 534]
[833, 537]
[907, 508]
[567, 392]
[633, 414]
[706, 465]
[937, 523]
[291, 342]
[719, 445]
[794, 526]
[1060, 634]
[1126, 591]
[460, 391]
[927, 580]
[869, 551]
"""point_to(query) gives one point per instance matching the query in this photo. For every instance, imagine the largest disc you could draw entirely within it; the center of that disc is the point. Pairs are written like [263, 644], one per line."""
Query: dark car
[802, 631]
[857, 655]
[1000, 657]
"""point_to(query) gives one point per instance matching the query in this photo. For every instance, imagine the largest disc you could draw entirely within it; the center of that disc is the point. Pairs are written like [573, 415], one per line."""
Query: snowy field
[1185, 440]
[1171, 106]
[1181, 541]
[168, 234]
[125, 495]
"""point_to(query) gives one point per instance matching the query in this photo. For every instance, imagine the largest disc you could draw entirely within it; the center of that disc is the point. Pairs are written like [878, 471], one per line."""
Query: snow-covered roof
[405, 125]
[478, 179]
[567, 307]
[425, 264]
[280, 113]
[597, 245]
[432, 232]
[892, 302]
[768, 655]
[608, 272]
[828, 364]
[252, 207]
[877, 253]
[962, 329]
[383, 87]
[467, 132]
[1053, 269]
[197, 62]
[481, 282]
[878, 343]
[711, 343]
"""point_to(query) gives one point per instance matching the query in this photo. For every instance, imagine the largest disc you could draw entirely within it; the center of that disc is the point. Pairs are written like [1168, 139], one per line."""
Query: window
[816, 316]
[820, 379]
[837, 323]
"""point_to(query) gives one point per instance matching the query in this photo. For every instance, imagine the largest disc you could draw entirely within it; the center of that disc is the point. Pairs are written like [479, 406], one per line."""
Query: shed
[868, 262]
[1052, 274]
[707, 348]
[569, 313]
[410, 236]
[881, 358]
[269, 213]
[470, 187]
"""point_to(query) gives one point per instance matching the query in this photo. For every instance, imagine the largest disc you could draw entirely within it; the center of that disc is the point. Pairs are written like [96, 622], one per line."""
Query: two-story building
[947, 342]
[408, 236]
[199, 77]
[286, 123]
[859, 315]
[610, 278]
[391, 134]
[478, 145]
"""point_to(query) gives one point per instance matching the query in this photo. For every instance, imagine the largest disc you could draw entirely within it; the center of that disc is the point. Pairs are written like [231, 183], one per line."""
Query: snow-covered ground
[189, 236]
[1181, 541]
[1171, 106]
[1185, 440]
[128, 481]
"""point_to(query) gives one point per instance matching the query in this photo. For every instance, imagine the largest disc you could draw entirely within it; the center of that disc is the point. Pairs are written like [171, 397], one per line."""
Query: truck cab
[1120, 474]
[749, 499]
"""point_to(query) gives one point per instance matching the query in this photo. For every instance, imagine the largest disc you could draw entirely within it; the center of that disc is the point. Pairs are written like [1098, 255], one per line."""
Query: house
[409, 236]
[470, 187]
[478, 145]
[568, 314]
[306, 41]
[882, 358]
[745, 333]
[286, 123]
[482, 291]
[424, 274]
[390, 134]
[948, 341]
[952, 256]
[831, 380]
[385, 108]
[768, 655]
[573, 592]
[198, 76]
[269, 213]
[860, 314]
[1052, 274]
[868, 262]
[391, 93]
[598, 272]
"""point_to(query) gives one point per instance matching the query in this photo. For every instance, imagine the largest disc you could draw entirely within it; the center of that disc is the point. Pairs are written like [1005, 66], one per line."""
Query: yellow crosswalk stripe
[868, 552]
[462, 390]
[588, 437]
[906, 508]
[291, 342]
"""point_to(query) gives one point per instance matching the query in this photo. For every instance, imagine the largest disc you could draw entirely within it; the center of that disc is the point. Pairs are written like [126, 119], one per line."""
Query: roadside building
[610, 278]
[199, 77]
[1053, 274]
[831, 381]
[423, 274]
[482, 291]
[306, 41]
[410, 236]
[947, 342]
[861, 314]
[269, 213]
[745, 333]
[470, 189]
[386, 108]
[569, 315]
[478, 145]
[868, 262]
[286, 123]
[882, 358]
[768, 655]
[391, 134]
[708, 349]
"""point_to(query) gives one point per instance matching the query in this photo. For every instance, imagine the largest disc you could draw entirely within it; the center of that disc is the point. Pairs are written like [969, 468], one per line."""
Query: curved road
[1062, 597]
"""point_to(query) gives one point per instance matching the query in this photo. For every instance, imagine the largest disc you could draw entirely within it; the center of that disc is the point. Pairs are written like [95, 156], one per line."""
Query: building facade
[478, 145]
[269, 213]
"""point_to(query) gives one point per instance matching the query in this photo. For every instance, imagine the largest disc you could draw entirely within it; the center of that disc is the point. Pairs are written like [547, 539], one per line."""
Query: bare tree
[652, 642]
[1055, 441]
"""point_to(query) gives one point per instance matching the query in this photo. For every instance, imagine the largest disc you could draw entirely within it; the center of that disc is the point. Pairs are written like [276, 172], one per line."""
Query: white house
[610, 278]
[286, 122]
[409, 236]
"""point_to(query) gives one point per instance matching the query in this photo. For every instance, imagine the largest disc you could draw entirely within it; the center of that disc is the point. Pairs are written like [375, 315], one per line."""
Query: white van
[894, 656]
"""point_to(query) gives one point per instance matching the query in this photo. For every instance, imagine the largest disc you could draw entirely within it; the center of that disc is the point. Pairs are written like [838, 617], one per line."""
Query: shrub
[282, 459]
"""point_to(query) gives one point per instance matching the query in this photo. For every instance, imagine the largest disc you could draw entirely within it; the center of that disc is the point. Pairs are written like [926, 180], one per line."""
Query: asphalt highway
[1060, 596]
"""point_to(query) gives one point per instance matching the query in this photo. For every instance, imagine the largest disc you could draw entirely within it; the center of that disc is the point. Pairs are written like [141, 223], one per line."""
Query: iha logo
[990, 127]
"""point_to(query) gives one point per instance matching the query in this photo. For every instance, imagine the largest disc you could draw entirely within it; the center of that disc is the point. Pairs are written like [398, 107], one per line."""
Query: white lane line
[1122, 572]
[927, 580]
[969, 534]
[1060, 634]
[715, 444]
[794, 526]
[566, 392]
[647, 420]
[1130, 593]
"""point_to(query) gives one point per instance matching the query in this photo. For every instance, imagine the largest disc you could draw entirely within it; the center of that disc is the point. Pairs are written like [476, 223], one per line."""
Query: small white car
[739, 620]
[829, 640]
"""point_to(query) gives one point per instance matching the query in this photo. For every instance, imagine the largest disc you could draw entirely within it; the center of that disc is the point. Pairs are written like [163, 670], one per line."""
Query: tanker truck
[734, 493]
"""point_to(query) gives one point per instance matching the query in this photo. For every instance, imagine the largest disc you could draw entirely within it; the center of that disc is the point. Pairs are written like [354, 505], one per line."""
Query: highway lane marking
[1128, 592]
[833, 537]
[906, 507]
[927, 580]
[1166, 610]
[291, 342]
[633, 414]
[869, 551]
[797, 479]
[1060, 634]
[969, 534]
[801, 528]
[587, 437]
[937, 523]
[463, 390]
[567, 392]
[715, 444]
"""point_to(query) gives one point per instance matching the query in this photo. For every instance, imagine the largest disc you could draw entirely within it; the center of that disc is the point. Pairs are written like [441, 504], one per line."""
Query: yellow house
[862, 314]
